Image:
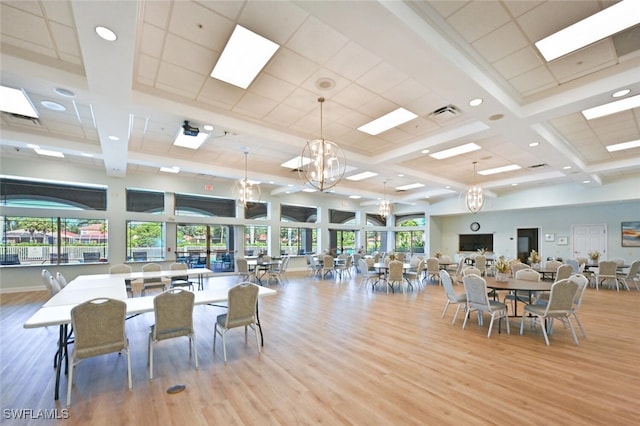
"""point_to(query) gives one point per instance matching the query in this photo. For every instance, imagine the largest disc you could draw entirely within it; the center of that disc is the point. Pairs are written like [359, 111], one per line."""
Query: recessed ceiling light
[566, 167]
[586, 181]
[426, 196]
[296, 162]
[447, 187]
[53, 106]
[106, 34]
[612, 107]
[475, 102]
[425, 151]
[173, 169]
[355, 197]
[86, 154]
[290, 185]
[534, 144]
[624, 145]
[49, 153]
[64, 92]
[33, 146]
[400, 175]
[458, 150]
[361, 176]
[502, 169]
[609, 21]
[621, 93]
[114, 138]
[308, 190]
[387, 121]
[410, 186]
[514, 184]
[208, 127]
[16, 101]
[271, 182]
[245, 54]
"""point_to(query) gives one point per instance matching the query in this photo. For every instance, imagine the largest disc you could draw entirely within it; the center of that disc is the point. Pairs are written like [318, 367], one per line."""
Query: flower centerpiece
[437, 255]
[534, 259]
[594, 256]
[502, 269]
[482, 251]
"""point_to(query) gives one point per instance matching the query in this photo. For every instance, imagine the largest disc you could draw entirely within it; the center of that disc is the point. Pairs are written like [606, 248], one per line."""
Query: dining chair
[560, 306]
[242, 270]
[631, 276]
[575, 266]
[480, 262]
[475, 288]
[564, 271]
[50, 282]
[415, 276]
[517, 266]
[607, 272]
[396, 276]
[344, 266]
[527, 274]
[367, 275]
[173, 311]
[152, 283]
[99, 327]
[121, 268]
[469, 271]
[327, 265]
[433, 268]
[552, 264]
[452, 297]
[181, 280]
[277, 272]
[243, 300]
[62, 281]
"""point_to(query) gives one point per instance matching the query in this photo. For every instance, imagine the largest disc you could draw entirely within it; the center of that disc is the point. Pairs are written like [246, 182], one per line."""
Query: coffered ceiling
[365, 58]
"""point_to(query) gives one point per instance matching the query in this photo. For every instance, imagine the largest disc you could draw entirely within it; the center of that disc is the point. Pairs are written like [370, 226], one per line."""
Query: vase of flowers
[502, 269]
[594, 256]
[534, 259]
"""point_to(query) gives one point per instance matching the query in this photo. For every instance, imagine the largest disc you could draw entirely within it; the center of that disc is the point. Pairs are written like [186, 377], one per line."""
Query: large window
[290, 213]
[376, 241]
[195, 205]
[206, 246]
[256, 210]
[340, 216]
[376, 220]
[145, 201]
[145, 241]
[298, 241]
[411, 240]
[341, 241]
[51, 195]
[53, 240]
[256, 239]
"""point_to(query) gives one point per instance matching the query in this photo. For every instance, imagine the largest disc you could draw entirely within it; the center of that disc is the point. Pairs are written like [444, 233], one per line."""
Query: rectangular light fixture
[191, 142]
[355, 197]
[245, 54]
[361, 176]
[502, 169]
[16, 101]
[611, 20]
[173, 169]
[612, 107]
[458, 150]
[48, 153]
[388, 121]
[624, 145]
[410, 186]
[296, 162]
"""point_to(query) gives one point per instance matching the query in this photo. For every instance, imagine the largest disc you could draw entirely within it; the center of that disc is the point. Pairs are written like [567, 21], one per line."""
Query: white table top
[142, 275]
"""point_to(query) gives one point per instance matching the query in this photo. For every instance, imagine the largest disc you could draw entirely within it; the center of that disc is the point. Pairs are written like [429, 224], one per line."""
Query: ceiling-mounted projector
[189, 130]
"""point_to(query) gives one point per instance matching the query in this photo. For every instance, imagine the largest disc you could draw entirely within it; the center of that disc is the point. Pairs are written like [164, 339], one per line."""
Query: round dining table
[514, 285]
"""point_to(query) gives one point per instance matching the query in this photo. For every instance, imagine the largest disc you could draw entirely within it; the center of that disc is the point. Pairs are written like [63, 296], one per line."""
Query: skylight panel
[361, 176]
[16, 101]
[612, 107]
[624, 145]
[458, 150]
[611, 20]
[503, 169]
[388, 121]
[243, 57]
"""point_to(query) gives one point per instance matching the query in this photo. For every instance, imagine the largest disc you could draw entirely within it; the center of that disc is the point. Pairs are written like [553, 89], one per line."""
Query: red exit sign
[208, 187]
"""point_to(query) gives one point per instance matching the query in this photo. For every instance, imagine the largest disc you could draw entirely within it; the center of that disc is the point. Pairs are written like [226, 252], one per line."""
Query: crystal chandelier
[322, 162]
[385, 205]
[245, 190]
[475, 195]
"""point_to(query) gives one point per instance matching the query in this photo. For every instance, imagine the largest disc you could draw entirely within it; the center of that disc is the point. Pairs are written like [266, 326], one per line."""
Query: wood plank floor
[336, 354]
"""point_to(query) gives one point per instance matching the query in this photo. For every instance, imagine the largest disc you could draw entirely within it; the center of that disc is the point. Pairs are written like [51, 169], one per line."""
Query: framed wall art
[563, 241]
[630, 234]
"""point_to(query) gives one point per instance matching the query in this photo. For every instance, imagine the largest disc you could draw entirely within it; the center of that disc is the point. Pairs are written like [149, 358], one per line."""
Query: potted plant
[594, 256]
[502, 269]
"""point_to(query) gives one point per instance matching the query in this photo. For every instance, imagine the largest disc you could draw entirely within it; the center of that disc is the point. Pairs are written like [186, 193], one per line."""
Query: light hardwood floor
[336, 354]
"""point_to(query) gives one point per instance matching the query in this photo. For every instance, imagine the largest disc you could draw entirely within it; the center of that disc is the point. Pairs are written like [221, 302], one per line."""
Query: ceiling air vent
[444, 114]
[538, 166]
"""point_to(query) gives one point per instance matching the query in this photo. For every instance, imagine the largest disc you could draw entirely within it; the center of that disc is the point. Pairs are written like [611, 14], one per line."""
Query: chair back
[242, 266]
[347, 262]
[582, 260]
[327, 261]
[151, 267]
[98, 327]
[420, 268]
[433, 266]
[364, 268]
[50, 282]
[480, 261]
[518, 266]
[619, 261]
[445, 279]
[266, 258]
[561, 297]
[376, 257]
[179, 267]
[173, 310]
[563, 272]
[552, 264]
[582, 282]
[243, 299]
[395, 270]
[528, 275]
[607, 268]
[62, 281]
[575, 266]
[476, 289]
[120, 268]
[471, 270]
[633, 269]
[460, 266]
[400, 256]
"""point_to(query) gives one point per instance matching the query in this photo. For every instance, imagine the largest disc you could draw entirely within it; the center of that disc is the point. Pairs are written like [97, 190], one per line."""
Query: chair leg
[544, 331]
[192, 341]
[575, 315]
[70, 382]
[445, 308]
[573, 331]
[150, 360]
[456, 314]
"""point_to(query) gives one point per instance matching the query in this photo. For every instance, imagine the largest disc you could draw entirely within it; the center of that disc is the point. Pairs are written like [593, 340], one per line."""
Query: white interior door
[587, 238]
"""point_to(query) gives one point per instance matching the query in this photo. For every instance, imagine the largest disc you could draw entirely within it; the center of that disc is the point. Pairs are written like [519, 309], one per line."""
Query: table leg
[62, 351]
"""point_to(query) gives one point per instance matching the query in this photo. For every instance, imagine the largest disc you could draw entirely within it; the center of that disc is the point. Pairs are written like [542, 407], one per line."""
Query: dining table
[57, 310]
[514, 285]
[383, 270]
[261, 268]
